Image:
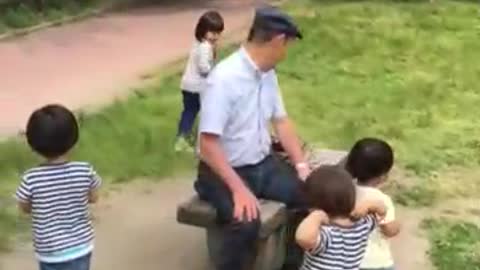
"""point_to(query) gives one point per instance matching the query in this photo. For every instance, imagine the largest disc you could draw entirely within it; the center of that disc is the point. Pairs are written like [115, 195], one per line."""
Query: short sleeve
[279, 110]
[215, 106]
[24, 192]
[390, 216]
[95, 180]
[322, 242]
[371, 221]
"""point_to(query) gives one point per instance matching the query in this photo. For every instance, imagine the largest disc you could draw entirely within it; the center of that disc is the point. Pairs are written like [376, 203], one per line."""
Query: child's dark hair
[331, 189]
[369, 158]
[210, 21]
[52, 131]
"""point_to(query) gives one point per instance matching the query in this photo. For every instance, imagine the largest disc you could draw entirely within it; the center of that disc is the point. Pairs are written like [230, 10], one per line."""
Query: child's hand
[380, 211]
[361, 210]
[364, 208]
[320, 215]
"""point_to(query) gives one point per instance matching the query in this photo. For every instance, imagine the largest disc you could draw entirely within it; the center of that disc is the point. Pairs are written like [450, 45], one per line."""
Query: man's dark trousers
[270, 179]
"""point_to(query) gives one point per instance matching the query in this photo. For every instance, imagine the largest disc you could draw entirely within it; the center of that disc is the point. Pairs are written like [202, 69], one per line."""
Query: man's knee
[246, 230]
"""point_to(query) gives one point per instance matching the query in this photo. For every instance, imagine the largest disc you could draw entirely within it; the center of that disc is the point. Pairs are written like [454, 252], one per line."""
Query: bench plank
[199, 213]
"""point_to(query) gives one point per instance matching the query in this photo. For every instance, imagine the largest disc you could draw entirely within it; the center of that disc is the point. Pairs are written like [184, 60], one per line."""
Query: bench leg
[271, 251]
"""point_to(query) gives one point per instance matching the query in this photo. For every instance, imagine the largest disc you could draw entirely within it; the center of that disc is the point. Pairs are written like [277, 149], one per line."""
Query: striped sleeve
[95, 179]
[24, 192]
[322, 242]
[372, 222]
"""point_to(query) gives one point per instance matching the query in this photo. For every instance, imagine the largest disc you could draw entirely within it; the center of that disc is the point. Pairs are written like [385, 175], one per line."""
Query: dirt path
[93, 61]
[137, 230]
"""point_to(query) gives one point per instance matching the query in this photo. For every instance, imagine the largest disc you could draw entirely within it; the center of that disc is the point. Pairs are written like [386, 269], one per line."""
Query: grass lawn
[454, 245]
[24, 14]
[403, 71]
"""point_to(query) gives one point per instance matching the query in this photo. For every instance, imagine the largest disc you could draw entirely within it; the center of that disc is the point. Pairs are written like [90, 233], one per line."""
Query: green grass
[25, 15]
[407, 72]
[416, 196]
[454, 245]
[127, 140]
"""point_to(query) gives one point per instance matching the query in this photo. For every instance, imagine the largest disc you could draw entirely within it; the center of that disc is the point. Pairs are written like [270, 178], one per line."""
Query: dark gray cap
[273, 19]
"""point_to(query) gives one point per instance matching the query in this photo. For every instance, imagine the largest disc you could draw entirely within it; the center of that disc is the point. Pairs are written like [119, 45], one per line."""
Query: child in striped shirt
[57, 192]
[335, 234]
[200, 62]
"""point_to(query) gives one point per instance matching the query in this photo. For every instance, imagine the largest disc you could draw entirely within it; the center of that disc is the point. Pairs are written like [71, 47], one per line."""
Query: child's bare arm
[93, 196]
[390, 229]
[308, 231]
[25, 207]
[95, 184]
[366, 207]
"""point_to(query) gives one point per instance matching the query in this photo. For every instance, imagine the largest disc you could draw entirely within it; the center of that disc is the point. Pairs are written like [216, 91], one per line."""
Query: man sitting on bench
[241, 101]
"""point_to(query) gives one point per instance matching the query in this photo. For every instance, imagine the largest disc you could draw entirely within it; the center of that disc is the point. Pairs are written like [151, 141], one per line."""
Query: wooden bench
[271, 247]
[274, 215]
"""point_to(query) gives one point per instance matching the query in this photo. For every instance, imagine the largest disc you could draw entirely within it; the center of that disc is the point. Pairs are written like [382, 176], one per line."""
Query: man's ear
[280, 38]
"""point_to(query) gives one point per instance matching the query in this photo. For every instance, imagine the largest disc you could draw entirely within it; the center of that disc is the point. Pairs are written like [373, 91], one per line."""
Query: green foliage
[454, 245]
[25, 14]
[19, 17]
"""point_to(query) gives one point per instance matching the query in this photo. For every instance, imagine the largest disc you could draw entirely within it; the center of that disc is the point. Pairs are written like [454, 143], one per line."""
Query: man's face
[279, 47]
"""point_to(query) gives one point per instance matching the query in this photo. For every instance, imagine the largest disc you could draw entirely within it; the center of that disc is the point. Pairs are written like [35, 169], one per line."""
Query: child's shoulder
[49, 169]
[372, 193]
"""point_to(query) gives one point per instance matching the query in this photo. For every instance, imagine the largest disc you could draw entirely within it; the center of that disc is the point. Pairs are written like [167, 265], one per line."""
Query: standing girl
[200, 62]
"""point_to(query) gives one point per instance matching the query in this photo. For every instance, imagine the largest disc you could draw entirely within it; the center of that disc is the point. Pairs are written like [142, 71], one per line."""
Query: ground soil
[136, 229]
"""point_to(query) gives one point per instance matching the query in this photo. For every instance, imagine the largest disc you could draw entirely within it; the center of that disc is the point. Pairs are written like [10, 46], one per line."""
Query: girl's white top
[200, 63]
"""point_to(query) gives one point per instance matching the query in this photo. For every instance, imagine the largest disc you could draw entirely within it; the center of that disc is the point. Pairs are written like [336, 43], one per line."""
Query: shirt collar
[250, 63]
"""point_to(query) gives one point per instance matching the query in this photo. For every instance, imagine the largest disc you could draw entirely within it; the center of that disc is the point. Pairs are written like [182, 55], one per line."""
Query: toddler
[200, 62]
[56, 193]
[333, 235]
[369, 162]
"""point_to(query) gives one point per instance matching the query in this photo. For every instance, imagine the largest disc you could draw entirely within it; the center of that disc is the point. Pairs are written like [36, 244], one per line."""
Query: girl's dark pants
[191, 107]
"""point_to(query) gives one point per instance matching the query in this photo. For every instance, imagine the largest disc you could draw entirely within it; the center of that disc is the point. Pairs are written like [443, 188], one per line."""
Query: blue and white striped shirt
[340, 248]
[59, 197]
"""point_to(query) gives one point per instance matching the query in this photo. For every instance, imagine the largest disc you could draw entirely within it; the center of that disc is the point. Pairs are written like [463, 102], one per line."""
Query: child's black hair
[369, 158]
[331, 189]
[210, 21]
[52, 131]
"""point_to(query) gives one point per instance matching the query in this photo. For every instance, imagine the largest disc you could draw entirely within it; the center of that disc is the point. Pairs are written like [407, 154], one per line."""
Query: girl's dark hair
[331, 189]
[210, 21]
[52, 131]
[369, 158]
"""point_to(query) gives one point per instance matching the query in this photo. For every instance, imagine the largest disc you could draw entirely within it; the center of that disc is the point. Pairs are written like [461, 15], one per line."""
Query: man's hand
[244, 202]
[303, 170]
[245, 205]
